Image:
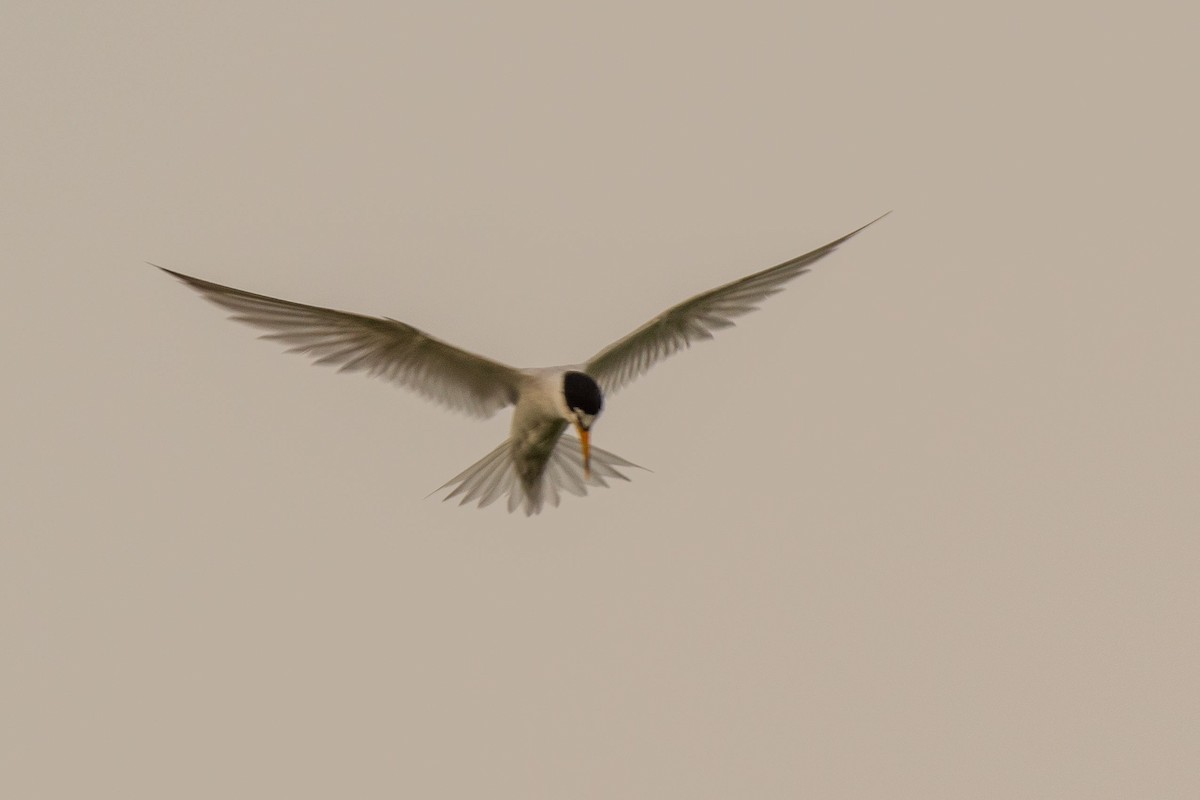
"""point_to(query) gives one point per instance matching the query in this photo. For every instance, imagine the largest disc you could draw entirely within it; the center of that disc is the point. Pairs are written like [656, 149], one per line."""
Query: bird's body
[536, 462]
[538, 421]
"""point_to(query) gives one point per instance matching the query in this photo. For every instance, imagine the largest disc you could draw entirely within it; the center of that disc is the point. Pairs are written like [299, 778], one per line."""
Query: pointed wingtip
[170, 272]
[869, 224]
[829, 248]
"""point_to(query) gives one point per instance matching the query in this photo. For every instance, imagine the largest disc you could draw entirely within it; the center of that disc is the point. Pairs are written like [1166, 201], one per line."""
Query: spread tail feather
[495, 476]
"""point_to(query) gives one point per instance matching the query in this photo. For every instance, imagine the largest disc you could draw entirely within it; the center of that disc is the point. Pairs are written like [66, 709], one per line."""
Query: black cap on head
[582, 393]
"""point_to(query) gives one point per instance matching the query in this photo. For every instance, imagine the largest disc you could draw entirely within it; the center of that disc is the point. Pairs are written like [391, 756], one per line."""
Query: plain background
[924, 526]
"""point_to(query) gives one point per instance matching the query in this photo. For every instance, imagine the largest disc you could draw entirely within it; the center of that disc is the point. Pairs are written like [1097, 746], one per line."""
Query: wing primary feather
[379, 346]
[698, 318]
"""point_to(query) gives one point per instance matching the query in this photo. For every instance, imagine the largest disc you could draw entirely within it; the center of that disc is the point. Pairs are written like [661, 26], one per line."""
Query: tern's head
[582, 397]
[583, 401]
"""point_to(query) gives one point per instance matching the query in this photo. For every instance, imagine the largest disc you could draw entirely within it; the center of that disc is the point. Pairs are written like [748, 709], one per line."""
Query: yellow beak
[587, 452]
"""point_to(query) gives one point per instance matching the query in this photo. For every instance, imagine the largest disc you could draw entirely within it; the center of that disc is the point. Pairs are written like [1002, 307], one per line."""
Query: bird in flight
[536, 462]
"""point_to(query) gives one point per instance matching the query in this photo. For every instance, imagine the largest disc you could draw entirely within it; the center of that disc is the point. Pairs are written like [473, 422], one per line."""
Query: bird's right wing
[375, 345]
[697, 318]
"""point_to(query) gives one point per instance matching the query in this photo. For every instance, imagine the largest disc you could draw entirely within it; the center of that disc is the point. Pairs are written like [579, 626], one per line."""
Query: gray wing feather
[697, 319]
[377, 346]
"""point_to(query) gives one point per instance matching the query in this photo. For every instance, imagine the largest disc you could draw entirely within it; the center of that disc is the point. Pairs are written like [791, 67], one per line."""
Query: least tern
[536, 462]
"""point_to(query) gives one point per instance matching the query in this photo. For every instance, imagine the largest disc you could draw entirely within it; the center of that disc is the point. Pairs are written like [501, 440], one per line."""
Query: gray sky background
[924, 526]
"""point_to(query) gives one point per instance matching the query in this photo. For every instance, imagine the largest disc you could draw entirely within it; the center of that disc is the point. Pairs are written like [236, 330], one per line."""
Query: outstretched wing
[697, 318]
[375, 345]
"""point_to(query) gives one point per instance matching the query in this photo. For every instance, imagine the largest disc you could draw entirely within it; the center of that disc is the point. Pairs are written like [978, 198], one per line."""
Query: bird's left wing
[375, 345]
[697, 318]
